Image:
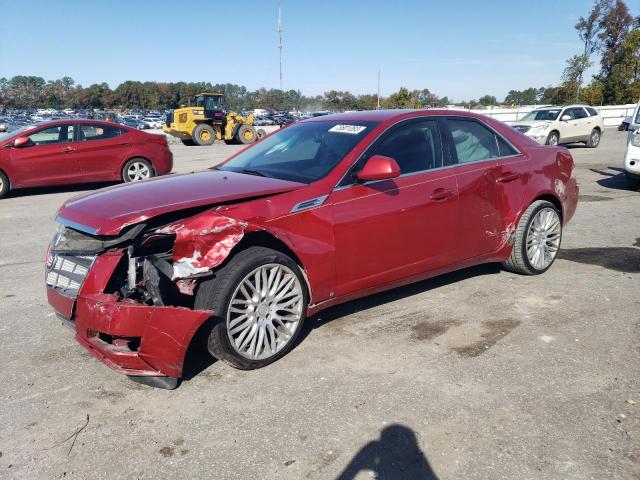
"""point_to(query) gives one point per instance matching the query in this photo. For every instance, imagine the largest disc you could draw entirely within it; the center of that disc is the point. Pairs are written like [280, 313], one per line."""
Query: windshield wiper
[253, 172]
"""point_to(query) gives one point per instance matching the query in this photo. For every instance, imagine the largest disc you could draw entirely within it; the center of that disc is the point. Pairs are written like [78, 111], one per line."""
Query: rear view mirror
[22, 142]
[379, 167]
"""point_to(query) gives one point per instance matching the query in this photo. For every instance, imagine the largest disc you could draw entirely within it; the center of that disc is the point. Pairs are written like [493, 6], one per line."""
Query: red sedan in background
[80, 151]
[321, 212]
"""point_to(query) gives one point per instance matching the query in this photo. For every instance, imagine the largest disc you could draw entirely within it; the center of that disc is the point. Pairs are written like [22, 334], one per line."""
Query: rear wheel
[246, 134]
[261, 132]
[5, 186]
[553, 138]
[137, 169]
[259, 300]
[594, 138]
[204, 134]
[538, 238]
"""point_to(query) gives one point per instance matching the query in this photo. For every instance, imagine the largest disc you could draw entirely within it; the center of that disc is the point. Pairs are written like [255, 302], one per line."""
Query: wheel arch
[551, 199]
[262, 238]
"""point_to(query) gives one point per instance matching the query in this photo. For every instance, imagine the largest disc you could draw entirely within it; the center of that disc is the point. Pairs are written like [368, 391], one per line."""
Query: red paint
[362, 239]
[79, 161]
[379, 167]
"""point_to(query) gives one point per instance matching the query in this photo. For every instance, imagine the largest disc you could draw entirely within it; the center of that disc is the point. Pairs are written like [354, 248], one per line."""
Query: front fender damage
[202, 242]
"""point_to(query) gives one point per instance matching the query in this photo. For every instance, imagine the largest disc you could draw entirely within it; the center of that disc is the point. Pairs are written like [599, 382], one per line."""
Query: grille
[522, 128]
[66, 273]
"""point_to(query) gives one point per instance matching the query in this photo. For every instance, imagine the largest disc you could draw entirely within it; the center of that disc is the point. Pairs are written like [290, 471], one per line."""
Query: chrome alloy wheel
[264, 311]
[138, 171]
[543, 238]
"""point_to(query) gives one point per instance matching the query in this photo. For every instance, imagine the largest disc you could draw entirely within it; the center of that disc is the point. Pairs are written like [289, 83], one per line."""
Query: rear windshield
[304, 152]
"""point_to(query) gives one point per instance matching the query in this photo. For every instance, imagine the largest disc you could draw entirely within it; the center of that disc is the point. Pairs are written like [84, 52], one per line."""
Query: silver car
[558, 125]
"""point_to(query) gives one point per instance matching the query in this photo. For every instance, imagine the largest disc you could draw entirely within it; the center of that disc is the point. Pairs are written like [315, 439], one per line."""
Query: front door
[392, 229]
[49, 159]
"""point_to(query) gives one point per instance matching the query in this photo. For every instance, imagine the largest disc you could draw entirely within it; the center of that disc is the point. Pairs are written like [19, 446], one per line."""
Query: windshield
[547, 114]
[637, 120]
[304, 152]
[14, 133]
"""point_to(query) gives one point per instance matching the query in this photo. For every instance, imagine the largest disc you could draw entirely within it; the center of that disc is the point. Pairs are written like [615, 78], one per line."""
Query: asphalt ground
[473, 375]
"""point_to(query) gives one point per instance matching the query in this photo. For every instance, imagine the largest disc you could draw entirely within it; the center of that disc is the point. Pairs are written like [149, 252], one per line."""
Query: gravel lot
[480, 374]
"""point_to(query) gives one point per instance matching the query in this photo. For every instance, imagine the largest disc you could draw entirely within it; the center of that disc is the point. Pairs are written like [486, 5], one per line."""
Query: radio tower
[280, 40]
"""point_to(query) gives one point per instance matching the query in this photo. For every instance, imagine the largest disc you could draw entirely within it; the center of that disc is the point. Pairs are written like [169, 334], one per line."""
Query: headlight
[635, 138]
[538, 129]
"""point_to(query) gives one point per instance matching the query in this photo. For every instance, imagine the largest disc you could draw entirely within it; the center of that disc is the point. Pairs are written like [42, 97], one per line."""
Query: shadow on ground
[613, 180]
[395, 455]
[619, 259]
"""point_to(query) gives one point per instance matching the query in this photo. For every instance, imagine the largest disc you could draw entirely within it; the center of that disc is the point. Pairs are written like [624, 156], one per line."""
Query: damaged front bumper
[132, 338]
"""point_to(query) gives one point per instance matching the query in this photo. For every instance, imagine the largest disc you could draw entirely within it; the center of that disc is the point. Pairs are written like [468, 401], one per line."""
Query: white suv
[632, 157]
[569, 124]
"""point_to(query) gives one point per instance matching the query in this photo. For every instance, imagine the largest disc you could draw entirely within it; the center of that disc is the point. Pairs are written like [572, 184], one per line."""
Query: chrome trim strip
[307, 204]
[76, 225]
[498, 134]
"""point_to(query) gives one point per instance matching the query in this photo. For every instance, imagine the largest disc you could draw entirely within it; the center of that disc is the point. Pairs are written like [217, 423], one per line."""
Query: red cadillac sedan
[321, 212]
[80, 151]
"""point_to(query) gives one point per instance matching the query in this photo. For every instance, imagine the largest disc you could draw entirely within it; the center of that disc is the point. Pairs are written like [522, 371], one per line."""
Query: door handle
[440, 194]
[68, 149]
[508, 177]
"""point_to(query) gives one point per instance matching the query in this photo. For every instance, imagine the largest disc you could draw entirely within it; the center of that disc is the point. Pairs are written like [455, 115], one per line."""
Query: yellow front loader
[208, 121]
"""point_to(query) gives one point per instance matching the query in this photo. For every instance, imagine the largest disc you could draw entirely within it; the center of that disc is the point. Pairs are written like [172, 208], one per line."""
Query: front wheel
[259, 299]
[5, 186]
[537, 239]
[553, 138]
[594, 138]
[137, 169]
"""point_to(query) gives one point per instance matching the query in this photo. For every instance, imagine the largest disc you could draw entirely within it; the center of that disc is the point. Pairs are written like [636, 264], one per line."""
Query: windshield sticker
[351, 129]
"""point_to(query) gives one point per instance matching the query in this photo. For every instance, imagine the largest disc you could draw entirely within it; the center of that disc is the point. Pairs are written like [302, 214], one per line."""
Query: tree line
[608, 31]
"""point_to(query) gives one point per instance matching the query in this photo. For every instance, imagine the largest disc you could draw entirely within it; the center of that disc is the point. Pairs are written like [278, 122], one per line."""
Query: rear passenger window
[579, 113]
[416, 146]
[592, 111]
[473, 141]
[98, 132]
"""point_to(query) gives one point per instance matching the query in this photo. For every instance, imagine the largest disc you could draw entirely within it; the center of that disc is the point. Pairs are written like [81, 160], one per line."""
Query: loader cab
[212, 103]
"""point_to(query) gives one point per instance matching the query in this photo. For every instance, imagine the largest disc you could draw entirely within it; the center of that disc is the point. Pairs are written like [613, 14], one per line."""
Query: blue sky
[462, 49]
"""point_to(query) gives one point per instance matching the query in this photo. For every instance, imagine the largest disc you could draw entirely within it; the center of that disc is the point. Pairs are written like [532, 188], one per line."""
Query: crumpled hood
[107, 211]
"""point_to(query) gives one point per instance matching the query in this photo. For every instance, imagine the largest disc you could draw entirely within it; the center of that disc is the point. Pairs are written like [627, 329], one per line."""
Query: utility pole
[280, 40]
[378, 95]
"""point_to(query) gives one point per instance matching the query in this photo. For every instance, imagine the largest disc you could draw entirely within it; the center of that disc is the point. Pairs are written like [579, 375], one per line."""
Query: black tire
[594, 138]
[216, 293]
[246, 134]
[141, 163]
[261, 132]
[633, 182]
[518, 261]
[5, 185]
[188, 143]
[202, 130]
[553, 138]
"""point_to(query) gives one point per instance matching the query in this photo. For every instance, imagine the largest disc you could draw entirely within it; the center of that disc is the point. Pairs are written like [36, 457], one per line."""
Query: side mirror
[565, 118]
[22, 142]
[379, 167]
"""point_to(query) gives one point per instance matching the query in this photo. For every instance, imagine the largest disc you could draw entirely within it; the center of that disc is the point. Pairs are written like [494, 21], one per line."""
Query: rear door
[392, 229]
[583, 122]
[480, 177]
[101, 150]
[50, 159]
